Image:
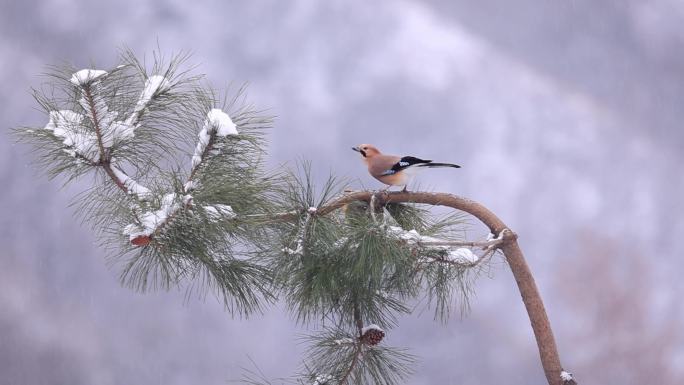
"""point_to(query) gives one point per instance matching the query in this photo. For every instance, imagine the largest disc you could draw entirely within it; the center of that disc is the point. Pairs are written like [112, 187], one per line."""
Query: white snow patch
[187, 199]
[117, 131]
[102, 118]
[133, 187]
[150, 221]
[221, 122]
[371, 327]
[322, 379]
[298, 250]
[412, 237]
[85, 76]
[189, 186]
[153, 85]
[218, 123]
[344, 341]
[462, 255]
[204, 137]
[566, 376]
[312, 210]
[66, 125]
[218, 212]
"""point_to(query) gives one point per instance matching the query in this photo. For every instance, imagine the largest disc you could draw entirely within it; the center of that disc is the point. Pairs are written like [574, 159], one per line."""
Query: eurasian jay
[393, 170]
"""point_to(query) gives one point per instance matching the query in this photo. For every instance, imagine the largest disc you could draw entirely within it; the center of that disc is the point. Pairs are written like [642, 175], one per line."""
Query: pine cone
[372, 335]
[141, 240]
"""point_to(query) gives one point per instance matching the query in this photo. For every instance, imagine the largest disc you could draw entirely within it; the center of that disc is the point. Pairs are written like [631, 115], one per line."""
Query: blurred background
[565, 115]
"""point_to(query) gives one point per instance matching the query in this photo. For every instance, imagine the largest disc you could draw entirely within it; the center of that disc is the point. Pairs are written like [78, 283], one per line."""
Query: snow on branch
[457, 252]
[371, 327]
[322, 379]
[300, 239]
[99, 115]
[217, 123]
[219, 212]
[566, 376]
[85, 77]
[139, 234]
[133, 187]
[67, 125]
[105, 123]
[344, 341]
[154, 85]
[458, 255]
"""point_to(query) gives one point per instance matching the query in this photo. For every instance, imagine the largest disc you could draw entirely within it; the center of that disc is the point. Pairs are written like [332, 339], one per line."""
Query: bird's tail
[435, 165]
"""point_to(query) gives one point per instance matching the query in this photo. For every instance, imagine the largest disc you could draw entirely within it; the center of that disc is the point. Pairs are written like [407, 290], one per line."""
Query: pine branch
[526, 284]
[227, 227]
[352, 366]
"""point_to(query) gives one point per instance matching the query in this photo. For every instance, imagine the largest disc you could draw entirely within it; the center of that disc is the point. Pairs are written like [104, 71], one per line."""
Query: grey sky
[565, 116]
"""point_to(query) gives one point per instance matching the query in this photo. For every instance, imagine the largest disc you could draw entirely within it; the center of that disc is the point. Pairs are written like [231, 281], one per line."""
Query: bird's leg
[404, 189]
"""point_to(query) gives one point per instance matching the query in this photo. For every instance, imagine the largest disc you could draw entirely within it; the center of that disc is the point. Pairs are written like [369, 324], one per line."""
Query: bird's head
[366, 150]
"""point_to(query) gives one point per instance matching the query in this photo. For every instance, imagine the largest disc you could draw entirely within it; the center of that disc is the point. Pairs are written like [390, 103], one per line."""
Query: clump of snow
[322, 379]
[151, 220]
[371, 327]
[189, 186]
[133, 187]
[312, 210]
[217, 123]
[86, 76]
[298, 250]
[343, 341]
[204, 137]
[566, 376]
[153, 85]
[99, 114]
[117, 131]
[218, 212]
[66, 125]
[411, 236]
[461, 255]
[221, 122]
[187, 199]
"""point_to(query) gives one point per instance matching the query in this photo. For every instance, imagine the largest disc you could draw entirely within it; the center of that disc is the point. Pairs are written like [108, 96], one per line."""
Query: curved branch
[539, 320]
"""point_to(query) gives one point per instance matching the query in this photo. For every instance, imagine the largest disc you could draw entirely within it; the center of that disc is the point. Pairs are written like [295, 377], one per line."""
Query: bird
[394, 170]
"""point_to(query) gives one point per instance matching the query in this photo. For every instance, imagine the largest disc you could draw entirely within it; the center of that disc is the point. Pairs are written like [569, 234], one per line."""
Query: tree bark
[521, 272]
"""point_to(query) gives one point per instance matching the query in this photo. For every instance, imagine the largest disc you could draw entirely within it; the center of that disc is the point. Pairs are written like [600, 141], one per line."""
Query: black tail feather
[439, 165]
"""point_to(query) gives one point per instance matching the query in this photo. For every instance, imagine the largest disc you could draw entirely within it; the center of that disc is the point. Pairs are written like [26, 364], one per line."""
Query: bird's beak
[359, 151]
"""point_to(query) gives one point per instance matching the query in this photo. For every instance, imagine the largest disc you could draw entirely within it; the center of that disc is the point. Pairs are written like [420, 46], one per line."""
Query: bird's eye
[365, 148]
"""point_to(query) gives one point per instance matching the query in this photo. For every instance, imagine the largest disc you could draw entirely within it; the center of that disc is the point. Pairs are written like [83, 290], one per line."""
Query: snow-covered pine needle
[133, 187]
[86, 76]
[217, 123]
[151, 220]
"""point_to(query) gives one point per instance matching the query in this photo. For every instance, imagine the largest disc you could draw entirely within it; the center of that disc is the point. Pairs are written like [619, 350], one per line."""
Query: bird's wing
[403, 164]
